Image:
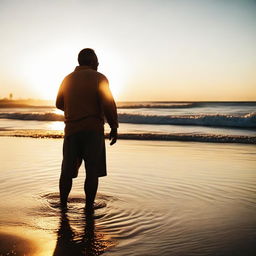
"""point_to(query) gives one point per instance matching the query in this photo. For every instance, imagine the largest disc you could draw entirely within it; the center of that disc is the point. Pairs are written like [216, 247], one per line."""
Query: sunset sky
[149, 49]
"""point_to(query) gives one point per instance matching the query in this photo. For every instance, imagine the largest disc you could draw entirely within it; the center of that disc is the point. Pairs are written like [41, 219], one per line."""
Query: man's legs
[65, 185]
[70, 165]
[95, 164]
[90, 189]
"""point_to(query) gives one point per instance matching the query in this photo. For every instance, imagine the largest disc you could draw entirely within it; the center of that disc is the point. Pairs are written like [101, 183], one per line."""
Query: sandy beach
[159, 198]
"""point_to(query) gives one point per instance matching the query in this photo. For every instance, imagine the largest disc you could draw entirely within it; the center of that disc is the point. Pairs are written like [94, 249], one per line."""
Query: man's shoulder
[68, 76]
[102, 76]
[98, 74]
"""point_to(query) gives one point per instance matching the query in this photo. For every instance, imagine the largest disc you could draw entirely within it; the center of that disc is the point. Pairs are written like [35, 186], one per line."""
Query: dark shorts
[88, 146]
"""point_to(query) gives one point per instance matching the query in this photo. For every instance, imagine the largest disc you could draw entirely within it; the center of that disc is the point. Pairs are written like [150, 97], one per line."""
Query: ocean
[186, 121]
[181, 182]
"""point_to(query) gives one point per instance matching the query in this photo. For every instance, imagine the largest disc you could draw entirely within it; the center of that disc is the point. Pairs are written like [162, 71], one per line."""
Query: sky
[164, 50]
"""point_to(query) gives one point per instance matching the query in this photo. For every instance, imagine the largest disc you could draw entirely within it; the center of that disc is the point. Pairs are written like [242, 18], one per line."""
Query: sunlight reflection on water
[160, 198]
[56, 126]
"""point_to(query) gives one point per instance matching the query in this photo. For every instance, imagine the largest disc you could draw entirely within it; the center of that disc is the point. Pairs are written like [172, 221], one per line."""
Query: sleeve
[60, 98]
[108, 103]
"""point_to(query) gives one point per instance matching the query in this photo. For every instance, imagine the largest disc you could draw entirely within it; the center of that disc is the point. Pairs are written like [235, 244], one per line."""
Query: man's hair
[87, 57]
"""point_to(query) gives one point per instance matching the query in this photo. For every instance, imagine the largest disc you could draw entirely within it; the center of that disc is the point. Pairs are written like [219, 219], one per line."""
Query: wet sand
[159, 198]
[16, 245]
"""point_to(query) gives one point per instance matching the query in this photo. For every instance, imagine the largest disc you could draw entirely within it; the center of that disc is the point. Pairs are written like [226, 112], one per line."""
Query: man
[86, 99]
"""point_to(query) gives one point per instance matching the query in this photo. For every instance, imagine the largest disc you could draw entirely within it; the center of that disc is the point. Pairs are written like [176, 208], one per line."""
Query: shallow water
[159, 198]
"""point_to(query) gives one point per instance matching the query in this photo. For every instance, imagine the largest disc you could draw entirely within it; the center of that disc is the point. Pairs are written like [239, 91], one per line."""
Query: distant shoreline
[32, 103]
[26, 103]
[16, 105]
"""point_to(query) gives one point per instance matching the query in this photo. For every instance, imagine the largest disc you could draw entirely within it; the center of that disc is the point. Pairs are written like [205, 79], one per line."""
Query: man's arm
[60, 99]
[109, 108]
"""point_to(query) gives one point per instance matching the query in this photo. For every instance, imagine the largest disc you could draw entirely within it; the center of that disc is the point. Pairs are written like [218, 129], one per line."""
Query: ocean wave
[197, 137]
[156, 105]
[217, 120]
[49, 116]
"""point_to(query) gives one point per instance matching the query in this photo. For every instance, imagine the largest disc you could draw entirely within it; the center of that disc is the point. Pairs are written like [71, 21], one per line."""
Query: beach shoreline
[204, 138]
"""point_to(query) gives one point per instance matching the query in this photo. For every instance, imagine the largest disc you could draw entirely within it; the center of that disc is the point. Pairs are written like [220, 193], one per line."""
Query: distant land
[23, 103]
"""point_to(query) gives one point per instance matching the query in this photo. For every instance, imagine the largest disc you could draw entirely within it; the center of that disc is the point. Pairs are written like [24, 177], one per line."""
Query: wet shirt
[86, 99]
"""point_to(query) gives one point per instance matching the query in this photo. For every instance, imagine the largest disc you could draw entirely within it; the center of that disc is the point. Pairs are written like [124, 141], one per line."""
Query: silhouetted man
[86, 99]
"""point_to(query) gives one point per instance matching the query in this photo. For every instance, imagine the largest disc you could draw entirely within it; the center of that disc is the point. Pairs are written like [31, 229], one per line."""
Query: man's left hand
[113, 136]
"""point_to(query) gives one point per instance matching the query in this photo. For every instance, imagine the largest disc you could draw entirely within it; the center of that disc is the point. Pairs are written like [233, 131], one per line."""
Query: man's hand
[113, 136]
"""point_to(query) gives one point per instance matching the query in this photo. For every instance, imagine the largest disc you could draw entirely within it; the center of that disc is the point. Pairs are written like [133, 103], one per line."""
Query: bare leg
[65, 186]
[90, 189]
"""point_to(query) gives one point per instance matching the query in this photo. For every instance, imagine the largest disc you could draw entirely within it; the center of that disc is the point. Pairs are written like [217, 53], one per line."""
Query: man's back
[86, 96]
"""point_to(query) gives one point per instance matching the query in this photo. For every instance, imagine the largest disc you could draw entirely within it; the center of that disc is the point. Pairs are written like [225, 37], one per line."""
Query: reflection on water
[58, 111]
[79, 242]
[77, 233]
[14, 244]
[160, 198]
[56, 126]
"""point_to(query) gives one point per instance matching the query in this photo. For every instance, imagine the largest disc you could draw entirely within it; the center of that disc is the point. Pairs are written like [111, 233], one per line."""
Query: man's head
[87, 57]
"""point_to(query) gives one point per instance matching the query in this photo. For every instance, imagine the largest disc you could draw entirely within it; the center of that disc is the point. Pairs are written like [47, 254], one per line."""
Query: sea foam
[217, 120]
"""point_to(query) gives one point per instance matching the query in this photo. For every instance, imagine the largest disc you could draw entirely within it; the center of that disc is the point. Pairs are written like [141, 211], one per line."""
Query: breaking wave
[217, 120]
[32, 116]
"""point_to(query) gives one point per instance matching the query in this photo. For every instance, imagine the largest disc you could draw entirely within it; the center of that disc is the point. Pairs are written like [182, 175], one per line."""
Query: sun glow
[44, 78]
[113, 66]
[116, 85]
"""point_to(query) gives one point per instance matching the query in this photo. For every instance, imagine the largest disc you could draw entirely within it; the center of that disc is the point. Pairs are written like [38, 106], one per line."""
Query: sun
[44, 77]
[47, 86]
[116, 85]
[115, 70]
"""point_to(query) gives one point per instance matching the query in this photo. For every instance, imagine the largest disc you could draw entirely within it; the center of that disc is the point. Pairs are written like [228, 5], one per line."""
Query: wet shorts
[88, 146]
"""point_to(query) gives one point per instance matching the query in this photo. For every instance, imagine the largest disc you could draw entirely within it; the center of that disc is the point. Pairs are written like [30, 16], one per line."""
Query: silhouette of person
[82, 242]
[86, 100]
